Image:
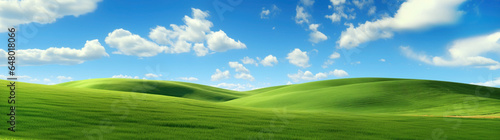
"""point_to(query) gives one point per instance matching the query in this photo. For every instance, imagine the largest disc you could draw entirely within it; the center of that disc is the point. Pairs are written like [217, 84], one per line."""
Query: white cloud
[334, 17]
[382, 60]
[132, 44]
[238, 67]
[361, 3]
[46, 80]
[238, 87]
[125, 76]
[61, 78]
[339, 14]
[307, 75]
[491, 83]
[302, 16]
[189, 78]
[307, 2]
[298, 58]
[464, 52]
[289, 83]
[246, 76]
[62, 56]
[269, 60]
[265, 13]
[328, 62]
[372, 10]
[337, 2]
[220, 42]
[219, 75]
[412, 15]
[316, 36]
[244, 73]
[200, 49]
[151, 75]
[338, 73]
[179, 39]
[334, 55]
[15, 12]
[248, 60]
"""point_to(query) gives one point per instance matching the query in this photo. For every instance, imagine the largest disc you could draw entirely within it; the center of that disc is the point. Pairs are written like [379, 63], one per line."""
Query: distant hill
[169, 88]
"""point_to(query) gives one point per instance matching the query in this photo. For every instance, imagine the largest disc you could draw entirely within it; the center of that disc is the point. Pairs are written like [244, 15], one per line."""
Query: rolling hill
[381, 95]
[169, 88]
[91, 110]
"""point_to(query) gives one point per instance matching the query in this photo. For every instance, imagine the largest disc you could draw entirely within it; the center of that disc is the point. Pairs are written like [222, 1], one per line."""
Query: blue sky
[288, 41]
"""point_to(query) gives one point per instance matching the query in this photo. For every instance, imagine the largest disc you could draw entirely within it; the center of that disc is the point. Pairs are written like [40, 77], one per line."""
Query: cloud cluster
[412, 15]
[308, 76]
[63, 56]
[464, 52]
[302, 16]
[15, 12]
[243, 72]
[298, 58]
[194, 35]
[330, 61]
[491, 83]
[269, 60]
[220, 75]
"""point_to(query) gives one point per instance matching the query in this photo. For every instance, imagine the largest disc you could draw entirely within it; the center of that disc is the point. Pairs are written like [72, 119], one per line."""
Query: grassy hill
[169, 88]
[381, 95]
[67, 112]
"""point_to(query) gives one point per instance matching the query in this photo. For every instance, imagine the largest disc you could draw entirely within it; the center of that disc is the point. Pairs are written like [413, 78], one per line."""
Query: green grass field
[358, 108]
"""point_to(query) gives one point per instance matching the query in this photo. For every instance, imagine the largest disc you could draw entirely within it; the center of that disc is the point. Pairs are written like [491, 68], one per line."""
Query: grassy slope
[381, 95]
[169, 88]
[58, 112]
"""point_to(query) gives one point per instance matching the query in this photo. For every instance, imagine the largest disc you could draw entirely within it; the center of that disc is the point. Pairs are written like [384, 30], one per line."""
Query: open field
[359, 108]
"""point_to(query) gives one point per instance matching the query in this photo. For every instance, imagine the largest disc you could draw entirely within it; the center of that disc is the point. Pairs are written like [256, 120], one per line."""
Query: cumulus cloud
[189, 78]
[330, 61]
[63, 56]
[298, 58]
[307, 75]
[338, 73]
[269, 60]
[151, 75]
[180, 39]
[464, 52]
[248, 60]
[238, 67]
[339, 12]
[15, 12]
[200, 49]
[245, 76]
[132, 44]
[125, 76]
[244, 73]
[301, 16]
[382, 60]
[220, 42]
[412, 15]
[491, 83]
[219, 75]
[316, 36]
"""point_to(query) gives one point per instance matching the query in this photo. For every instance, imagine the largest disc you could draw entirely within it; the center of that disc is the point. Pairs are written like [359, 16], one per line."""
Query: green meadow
[355, 108]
